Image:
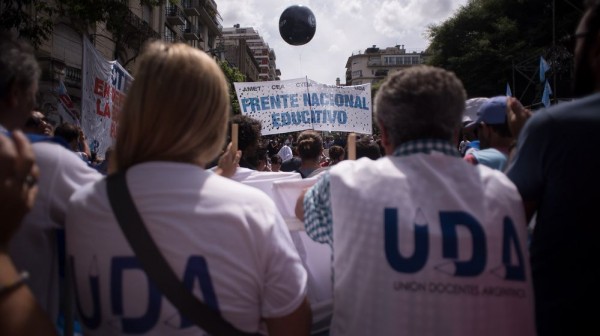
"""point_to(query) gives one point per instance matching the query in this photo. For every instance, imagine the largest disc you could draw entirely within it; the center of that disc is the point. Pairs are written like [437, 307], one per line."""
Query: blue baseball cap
[492, 112]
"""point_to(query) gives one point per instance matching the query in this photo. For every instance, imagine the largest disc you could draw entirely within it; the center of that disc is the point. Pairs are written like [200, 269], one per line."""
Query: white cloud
[343, 27]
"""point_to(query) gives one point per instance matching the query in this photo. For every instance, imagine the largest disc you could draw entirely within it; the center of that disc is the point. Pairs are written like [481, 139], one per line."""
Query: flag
[66, 109]
[544, 67]
[546, 94]
[508, 91]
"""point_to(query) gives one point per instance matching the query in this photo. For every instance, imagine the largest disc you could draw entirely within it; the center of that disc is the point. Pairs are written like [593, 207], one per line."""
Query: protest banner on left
[300, 104]
[102, 96]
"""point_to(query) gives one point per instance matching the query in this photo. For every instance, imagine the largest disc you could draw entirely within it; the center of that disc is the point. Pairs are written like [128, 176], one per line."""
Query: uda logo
[450, 221]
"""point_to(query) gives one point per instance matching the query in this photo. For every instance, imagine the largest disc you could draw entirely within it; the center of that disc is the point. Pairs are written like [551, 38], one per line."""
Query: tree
[486, 40]
[128, 31]
[233, 75]
[30, 18]
[33, 20]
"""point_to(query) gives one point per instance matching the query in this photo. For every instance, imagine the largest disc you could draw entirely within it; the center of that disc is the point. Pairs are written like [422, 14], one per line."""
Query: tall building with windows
[375, 64]
[264, 56]
[195, 22]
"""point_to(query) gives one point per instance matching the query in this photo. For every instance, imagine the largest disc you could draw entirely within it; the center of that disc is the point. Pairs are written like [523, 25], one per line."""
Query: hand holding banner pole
[352, 146]
[234, 137]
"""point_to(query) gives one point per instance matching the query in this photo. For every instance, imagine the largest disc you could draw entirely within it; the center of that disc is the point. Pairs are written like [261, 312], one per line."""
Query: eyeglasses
[570, 41]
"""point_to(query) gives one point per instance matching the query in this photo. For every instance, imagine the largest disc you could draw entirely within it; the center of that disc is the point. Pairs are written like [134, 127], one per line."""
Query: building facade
[238, 54]
[195, 22]
[375, 64]
[264, 56]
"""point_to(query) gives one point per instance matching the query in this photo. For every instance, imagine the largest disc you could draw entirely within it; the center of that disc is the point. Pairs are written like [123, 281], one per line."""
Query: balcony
[172, 38]
[54, 70]
[192, 33]
[210, 17]
[142, 29]
[174, 34]
[175, 15]
[190, 7]
[381, 73]
[211, 4]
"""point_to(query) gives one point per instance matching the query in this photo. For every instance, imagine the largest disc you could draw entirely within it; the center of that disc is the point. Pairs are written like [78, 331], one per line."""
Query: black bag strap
[155, 265]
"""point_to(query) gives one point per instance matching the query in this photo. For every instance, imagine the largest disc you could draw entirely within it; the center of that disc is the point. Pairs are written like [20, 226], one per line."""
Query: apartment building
[264, 56]
[374, 64]
[195, 22]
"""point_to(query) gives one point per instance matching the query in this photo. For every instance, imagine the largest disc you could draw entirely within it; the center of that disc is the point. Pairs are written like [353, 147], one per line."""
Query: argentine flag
[546, 94]
[544, 67]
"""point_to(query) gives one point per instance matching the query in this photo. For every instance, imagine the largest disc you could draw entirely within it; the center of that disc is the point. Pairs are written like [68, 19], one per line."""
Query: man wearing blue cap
[494, 135]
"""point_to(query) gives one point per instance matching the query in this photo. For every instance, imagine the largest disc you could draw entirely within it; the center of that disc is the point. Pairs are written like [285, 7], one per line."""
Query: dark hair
[262, 153]
[67, 131]
[367, 148]
[336, 153]
[249, 131]
[501, 129]
[310, 145]
[276, 159]
[18, 66]
[33, 121]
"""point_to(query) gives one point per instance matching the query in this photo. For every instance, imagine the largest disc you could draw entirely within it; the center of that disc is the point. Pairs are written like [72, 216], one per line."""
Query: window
[147, 14]
[170, 35]
[357, 73]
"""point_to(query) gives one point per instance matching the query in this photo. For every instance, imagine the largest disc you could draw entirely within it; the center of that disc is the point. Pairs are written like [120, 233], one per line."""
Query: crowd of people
[444, 225]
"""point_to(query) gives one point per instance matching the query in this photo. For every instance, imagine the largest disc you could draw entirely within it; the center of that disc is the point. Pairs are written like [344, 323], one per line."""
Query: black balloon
[297, 25]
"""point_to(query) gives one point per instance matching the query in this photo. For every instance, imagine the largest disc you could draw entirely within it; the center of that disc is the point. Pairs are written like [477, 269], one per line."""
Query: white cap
[471, 107]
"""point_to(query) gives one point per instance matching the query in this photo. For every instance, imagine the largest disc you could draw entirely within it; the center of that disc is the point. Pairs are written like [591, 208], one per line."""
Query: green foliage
[484, 39]
[153, 3]
[86, 12]
[30, 18]
[233, 75]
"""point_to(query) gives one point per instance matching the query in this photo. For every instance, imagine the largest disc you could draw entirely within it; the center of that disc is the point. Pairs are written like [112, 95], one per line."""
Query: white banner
[300, 104]
[102, 97]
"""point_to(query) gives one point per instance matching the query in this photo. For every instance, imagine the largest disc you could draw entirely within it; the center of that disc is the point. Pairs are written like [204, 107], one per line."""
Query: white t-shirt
[284, 188]
[427, 244]
[34, 246]
[263, 180]
[316, 257]
[224, 238]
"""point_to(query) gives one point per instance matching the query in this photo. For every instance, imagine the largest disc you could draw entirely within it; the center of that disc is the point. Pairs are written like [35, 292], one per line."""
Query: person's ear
[386, 140]
[485, 129]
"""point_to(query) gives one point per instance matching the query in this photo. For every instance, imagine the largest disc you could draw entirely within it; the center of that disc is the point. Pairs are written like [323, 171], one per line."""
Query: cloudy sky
[343, 27]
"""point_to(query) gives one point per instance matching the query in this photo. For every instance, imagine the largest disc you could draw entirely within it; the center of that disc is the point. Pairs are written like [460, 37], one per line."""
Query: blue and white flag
[546, 94]
[508, 91]
[544, 67]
